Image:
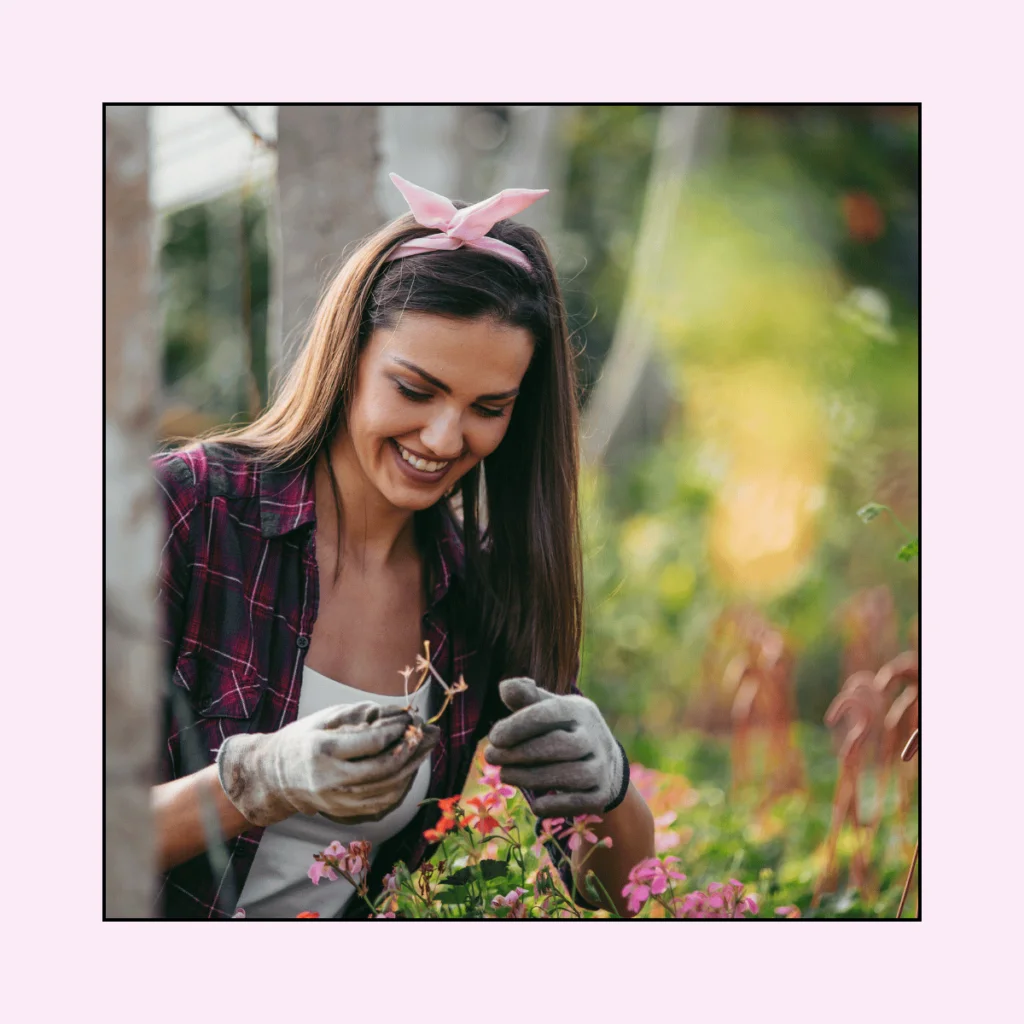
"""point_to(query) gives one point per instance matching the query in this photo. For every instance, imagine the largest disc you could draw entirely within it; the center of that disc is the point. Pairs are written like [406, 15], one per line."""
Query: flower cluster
[651, 877]
[512, 902]
[720, 901]
[483, 867]
[350, 862]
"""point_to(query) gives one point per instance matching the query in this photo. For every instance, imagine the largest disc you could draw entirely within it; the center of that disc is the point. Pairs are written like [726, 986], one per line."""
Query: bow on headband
[467, 226]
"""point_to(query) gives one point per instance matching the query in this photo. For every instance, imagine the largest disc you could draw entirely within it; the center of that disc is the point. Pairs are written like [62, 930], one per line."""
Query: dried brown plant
[855, 716]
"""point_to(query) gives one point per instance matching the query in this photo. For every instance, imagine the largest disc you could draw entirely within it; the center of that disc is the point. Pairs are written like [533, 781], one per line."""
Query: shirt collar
[287, 499]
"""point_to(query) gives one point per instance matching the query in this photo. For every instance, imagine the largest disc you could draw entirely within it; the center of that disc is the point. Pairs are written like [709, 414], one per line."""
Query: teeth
[420, 464]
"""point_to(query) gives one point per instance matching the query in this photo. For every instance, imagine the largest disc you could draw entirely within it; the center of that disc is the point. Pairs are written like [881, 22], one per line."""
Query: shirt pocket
[216, 690]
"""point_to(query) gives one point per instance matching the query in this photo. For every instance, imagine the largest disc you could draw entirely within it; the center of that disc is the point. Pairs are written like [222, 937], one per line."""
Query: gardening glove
[351, 762]
[560, 743]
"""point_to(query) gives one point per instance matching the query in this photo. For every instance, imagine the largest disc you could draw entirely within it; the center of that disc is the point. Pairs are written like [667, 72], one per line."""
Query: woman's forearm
[178, 815]
[631, 828]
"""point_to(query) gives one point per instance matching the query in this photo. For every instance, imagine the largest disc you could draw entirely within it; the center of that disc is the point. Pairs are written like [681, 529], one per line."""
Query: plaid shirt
[239, 587]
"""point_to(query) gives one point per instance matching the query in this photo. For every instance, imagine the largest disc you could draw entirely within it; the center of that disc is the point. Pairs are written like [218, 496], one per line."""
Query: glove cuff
[242, 785]
[624, 786]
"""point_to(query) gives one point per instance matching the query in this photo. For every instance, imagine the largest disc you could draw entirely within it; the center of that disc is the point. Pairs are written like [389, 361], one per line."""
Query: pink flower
[240, 913]
[638, 893]
[389, 882]
[388, 913]
[358, 857]
[649, 878]
[645, 779]
[548, 830]
[790, 912]
[513, 901]
[579, 830]
[748, 905]
[665, 841]
[319, 870]
[491, 778]
[335, 850]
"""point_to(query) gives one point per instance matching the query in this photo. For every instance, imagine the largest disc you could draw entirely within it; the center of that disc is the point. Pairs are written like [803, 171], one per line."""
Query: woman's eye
[491, 413]
[415, 396]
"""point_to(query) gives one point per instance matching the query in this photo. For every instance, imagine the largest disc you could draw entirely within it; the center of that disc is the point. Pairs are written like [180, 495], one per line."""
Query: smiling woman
[311, 554]
[433, 400]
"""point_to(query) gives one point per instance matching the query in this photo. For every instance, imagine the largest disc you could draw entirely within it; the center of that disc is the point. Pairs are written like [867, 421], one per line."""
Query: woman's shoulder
[196, 473]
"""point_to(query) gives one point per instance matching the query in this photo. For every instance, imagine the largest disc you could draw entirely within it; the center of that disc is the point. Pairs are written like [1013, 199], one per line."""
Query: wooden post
[327, 162]
[132, 522]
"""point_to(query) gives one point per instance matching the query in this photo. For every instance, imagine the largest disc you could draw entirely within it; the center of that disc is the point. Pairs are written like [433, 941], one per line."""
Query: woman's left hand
[560, 743]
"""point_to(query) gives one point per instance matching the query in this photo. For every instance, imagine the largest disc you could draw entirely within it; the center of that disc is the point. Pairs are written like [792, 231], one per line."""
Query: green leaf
[490, 869]
[908, 551]
[872, 510]
[494, 868]
[458, 895]
[460, 877]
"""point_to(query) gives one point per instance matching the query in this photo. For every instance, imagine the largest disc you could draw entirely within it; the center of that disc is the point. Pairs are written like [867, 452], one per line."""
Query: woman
[310, 554]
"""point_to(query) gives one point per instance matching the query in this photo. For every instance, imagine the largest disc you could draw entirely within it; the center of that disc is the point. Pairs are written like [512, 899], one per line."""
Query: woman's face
[433, 398]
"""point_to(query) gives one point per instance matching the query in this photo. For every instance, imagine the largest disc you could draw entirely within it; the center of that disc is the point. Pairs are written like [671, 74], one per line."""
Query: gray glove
[556, 742]
[351, 762]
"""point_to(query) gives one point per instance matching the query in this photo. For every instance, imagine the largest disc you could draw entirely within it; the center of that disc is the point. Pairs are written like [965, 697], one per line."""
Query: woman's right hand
[351, 762]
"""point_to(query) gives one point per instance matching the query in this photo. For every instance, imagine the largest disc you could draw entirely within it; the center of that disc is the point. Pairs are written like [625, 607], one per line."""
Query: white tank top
[278, 883]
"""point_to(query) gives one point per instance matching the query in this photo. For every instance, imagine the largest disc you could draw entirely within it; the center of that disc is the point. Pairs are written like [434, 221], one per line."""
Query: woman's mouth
[418, 468]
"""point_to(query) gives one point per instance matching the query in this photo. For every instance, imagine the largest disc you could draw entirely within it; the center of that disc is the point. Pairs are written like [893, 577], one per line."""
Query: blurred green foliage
[787, 320]
[215, 285]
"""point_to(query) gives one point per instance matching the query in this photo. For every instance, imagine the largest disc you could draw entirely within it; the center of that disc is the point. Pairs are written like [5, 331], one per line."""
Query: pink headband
[467, 226]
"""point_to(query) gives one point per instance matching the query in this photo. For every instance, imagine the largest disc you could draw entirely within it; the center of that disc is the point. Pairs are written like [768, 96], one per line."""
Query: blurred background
[742, 283]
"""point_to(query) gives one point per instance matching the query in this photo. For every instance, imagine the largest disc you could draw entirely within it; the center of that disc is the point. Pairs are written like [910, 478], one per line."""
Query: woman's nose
[443, 435]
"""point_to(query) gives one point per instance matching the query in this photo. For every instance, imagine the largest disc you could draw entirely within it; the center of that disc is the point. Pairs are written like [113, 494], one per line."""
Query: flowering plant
[495, 860]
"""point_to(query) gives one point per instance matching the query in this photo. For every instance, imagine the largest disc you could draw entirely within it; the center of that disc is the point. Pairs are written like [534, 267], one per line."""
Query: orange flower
[307, 913]
[480, 816]
[448, 805]
[449, 811]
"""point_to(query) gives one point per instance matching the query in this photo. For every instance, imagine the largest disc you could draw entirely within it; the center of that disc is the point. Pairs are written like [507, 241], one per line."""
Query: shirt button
[302, 643]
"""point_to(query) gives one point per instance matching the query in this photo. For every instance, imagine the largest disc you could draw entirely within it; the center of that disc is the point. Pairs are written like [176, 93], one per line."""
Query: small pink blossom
[513, 901]
[357, 858]
[491, 778]
[335, 850]
[389, 882]
[650, 877]
[319, 869]
[240, 913]
[646, 780]
[548, 830]
[579, 831]
[387, 913]
[637, 893]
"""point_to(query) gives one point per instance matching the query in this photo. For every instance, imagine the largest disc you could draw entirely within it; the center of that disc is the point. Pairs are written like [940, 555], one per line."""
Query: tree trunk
[327, 167]
[538, 157]
[132, 518]
[420, 144]
[632, 398]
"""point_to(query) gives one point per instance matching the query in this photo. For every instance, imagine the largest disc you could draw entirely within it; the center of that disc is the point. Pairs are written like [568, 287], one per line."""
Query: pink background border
[959, 956]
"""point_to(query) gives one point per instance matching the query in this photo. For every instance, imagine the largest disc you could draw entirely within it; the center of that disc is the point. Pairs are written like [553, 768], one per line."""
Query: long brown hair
[524, 575]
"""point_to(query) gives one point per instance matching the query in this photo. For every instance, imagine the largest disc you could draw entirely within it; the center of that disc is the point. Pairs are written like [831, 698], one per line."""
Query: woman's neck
[374, 533]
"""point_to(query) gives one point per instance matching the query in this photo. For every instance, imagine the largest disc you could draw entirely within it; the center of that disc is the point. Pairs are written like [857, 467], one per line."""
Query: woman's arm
[631, 828]
[178, 816]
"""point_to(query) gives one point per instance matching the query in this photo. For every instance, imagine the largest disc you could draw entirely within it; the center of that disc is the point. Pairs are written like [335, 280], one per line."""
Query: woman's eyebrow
[440, 384]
